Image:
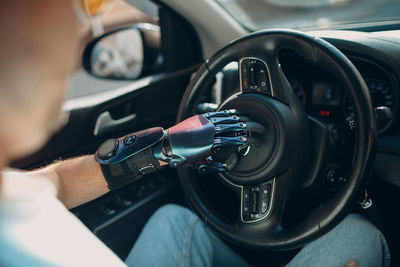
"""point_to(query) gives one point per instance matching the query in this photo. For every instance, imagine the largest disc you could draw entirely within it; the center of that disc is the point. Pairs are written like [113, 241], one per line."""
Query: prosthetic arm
[196, 141]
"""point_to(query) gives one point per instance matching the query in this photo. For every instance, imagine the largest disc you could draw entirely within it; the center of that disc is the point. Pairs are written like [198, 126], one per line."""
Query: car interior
[204, 56]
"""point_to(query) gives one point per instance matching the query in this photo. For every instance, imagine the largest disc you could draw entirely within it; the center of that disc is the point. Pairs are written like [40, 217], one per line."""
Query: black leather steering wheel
[270, 174]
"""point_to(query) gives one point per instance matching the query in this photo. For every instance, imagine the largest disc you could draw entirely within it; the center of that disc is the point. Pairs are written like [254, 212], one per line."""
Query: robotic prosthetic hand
[203, 141]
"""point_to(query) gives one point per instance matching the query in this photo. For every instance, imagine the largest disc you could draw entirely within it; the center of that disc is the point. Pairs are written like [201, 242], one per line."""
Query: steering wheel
[267, 177]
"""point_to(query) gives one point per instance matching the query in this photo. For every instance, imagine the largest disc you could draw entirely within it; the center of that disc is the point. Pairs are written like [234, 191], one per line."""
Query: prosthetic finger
[225, 120]
[223, 113]
[222, 142]
[236, 128]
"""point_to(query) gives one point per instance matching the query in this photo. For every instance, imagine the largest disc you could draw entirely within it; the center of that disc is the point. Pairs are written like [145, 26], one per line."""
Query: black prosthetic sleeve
[128, 158]
[122, 173]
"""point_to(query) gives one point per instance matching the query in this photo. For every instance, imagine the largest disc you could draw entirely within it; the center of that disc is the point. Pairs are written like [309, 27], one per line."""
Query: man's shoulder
[36, 227]
[16, 185]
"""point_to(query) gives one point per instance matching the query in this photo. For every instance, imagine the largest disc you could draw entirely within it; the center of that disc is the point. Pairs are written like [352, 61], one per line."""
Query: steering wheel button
[245, 84]
[264, 205]
[255, 189]
[262, 72]
[245, 211]
[253, 74]
[265, 191]
[254, 197]
[254, 207]
[130, 139]
[246, 195]
[244, 76]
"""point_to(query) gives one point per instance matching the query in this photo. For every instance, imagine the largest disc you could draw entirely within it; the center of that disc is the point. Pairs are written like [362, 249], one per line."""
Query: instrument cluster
[324, 96]
[328, 99]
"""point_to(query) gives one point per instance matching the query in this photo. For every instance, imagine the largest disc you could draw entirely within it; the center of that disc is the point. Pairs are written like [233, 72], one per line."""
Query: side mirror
[125, 54]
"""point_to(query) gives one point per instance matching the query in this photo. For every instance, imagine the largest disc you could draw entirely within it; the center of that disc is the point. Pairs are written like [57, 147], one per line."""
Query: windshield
[312, 14]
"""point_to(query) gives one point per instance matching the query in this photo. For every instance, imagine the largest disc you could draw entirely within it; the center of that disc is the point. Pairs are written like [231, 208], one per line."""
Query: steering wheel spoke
[256, 201]
[264, 75]
[265, 202]
[255, 76]
[333, 152]
[280, 84]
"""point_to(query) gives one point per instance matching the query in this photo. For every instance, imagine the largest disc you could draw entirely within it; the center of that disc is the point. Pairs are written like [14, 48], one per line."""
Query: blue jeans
[175, 236]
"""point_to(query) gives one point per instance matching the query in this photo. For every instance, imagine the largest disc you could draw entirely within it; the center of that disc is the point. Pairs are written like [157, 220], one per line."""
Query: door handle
[106, 123]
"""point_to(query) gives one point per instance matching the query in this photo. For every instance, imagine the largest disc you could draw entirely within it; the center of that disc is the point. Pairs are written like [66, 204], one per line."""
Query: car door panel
[154, 102]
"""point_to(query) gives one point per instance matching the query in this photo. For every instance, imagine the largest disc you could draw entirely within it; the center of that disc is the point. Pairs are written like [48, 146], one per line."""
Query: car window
[114, 15]
[312, 14]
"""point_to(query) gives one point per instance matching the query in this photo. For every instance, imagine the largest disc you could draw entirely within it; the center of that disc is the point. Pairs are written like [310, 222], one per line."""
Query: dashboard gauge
[381, 95]
[298, 89]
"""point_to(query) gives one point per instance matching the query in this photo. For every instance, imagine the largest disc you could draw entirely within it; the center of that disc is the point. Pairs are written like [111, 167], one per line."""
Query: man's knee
[364, 229]
[356, 225]
[172, 217]
[173, 211]
[366, 242]
[355, 238]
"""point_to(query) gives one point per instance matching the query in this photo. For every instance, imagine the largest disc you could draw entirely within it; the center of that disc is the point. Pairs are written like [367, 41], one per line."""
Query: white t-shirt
[37, 230]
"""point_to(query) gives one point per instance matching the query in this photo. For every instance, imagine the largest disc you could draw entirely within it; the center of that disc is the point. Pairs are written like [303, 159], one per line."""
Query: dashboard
[325, 97]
